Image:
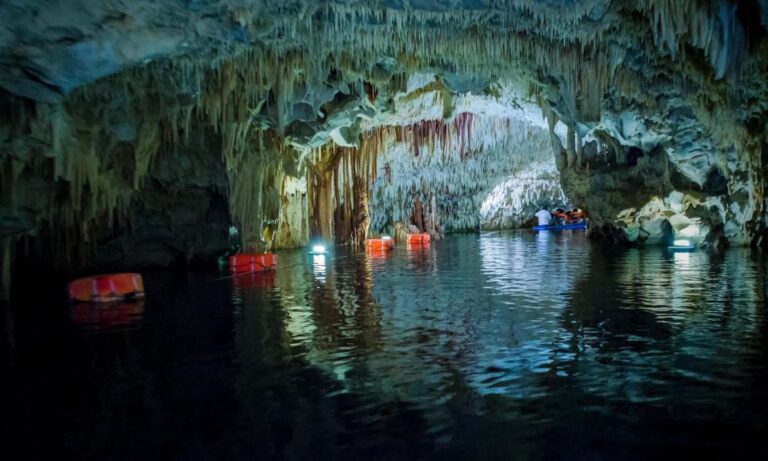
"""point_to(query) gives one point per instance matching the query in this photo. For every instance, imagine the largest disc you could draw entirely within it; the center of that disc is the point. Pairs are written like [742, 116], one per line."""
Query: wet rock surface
[180, 217]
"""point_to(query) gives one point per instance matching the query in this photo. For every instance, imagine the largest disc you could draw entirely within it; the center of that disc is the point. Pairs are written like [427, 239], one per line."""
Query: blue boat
[581, 225]
[682, 249]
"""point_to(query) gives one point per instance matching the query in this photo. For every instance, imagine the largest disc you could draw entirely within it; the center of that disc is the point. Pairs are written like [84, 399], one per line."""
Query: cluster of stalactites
[457, 169]
[461, 135]
[527, 39]
[709, 26]
[338, 182]
[255, 184]
[438, 134]
[86, 142]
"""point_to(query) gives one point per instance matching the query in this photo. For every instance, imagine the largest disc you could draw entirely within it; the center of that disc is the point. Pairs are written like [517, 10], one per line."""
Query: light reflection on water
[503, 345]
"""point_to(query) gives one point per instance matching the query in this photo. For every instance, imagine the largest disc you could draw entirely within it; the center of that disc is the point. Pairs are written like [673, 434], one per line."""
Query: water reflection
[318, 267]
[492, 346]
[253, 280]
[107, 316]
[501, 327]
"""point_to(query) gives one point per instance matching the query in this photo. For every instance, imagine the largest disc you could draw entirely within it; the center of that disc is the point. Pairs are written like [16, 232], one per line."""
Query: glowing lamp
[318, 249]
[682, 243]
[386, 237]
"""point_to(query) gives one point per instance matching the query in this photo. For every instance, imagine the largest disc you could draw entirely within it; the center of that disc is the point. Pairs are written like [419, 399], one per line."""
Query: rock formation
[136, 133]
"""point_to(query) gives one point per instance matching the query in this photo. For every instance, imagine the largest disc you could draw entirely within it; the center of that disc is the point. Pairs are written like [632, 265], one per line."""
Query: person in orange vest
[560, 216]
[575, 216]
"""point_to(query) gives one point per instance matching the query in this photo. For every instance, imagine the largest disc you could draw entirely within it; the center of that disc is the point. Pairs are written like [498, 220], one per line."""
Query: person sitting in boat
[560, 216]
[575, 216]
[544, 217]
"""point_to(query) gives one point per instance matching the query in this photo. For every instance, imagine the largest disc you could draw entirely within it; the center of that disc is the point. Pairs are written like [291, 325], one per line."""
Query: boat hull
[561, 227]
[682, 249]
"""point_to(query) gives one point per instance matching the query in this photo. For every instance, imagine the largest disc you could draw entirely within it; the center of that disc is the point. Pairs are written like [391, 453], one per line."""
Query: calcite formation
[312, 118]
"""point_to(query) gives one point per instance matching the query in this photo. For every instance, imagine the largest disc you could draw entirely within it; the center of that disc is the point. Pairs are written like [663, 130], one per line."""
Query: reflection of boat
[106, 288]
[107, 316]
[580, 225]
[378, 255]
[418, 248]
[682, 246]
[254, 280]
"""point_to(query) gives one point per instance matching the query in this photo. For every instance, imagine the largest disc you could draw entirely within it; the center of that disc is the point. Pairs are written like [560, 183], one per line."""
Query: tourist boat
[419, 239]
[581, 225]
[255, 262]
[106, 288]
[380, 244]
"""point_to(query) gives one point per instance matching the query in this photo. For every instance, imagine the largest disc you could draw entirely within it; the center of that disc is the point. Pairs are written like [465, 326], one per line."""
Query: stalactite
[319, 192]
[445, 169]
[711, 27]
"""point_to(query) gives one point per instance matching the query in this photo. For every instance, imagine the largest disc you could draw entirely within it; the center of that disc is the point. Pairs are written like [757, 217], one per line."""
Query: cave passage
[318, 229]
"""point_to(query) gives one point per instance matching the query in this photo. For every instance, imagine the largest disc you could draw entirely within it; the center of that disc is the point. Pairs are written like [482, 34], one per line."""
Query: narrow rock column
[579, 151]
[571, 147]
[321, 213]
[361, 217]
[5, 268]
[418, 215]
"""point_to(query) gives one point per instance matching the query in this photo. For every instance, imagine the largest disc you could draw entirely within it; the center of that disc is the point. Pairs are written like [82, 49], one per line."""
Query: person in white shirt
[544, 217]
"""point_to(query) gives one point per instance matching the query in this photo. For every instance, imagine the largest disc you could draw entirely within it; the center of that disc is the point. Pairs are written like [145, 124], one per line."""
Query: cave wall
[625, 167]
[178, 213]
[181, 215]
[132, 172]
[458, 162]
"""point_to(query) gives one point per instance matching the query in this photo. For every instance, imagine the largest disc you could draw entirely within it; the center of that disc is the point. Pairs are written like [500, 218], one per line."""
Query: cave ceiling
[570, 52]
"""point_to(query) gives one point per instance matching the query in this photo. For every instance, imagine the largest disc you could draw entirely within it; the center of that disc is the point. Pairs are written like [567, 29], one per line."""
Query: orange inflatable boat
[380, 244]
[419, 239]
[106, 288]
[258, 262]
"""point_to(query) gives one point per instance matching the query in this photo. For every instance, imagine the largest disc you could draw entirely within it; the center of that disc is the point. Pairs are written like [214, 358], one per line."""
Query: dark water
[500, 346]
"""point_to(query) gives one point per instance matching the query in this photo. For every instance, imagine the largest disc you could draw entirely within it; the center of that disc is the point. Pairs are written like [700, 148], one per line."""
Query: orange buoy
[106, 288]
[257, 262]
[419, 239]
[380, 244]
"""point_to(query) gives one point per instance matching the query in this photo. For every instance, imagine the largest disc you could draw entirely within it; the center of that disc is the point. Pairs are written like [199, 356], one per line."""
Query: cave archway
[513, 202]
